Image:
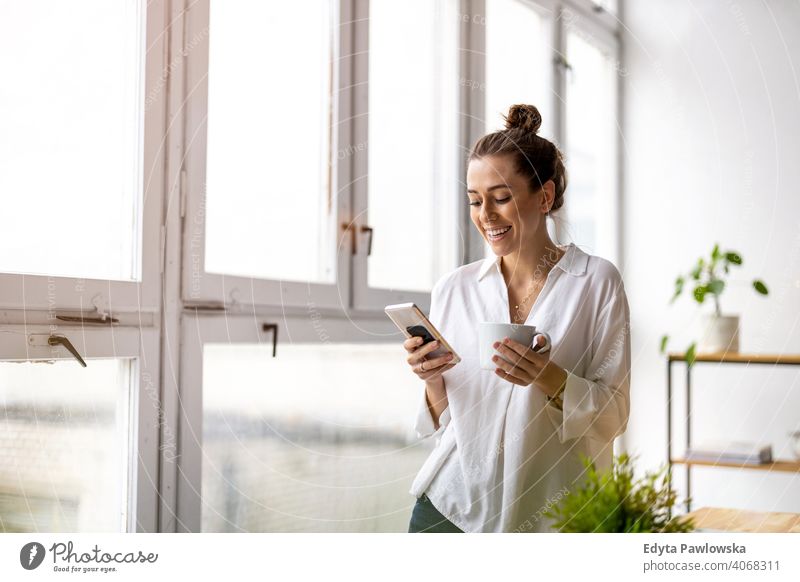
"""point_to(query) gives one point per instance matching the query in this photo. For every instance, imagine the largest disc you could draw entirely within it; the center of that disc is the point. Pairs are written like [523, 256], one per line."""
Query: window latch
[369, 240]
[38, 340]
[273, 327]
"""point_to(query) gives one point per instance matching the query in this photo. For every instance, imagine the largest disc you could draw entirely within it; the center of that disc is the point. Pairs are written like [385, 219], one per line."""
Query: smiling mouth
[496, 234]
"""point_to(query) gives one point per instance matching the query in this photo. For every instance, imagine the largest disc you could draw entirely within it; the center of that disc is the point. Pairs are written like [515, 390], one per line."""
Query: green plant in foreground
[707, 280]
[613, 501]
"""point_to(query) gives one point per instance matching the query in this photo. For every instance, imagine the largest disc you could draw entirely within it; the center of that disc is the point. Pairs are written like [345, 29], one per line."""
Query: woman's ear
[549, 195]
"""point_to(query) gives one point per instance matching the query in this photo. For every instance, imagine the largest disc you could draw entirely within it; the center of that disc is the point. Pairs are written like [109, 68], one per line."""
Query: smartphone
[410, 320]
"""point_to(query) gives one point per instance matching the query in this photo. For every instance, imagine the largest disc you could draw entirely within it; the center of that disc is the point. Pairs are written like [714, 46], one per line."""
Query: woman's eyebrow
[490, 188]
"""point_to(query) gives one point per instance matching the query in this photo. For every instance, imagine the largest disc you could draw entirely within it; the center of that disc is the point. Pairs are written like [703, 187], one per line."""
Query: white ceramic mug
[488, 333]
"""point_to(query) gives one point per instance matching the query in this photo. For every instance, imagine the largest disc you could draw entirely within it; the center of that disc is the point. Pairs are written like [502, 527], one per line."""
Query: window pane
[270, 206]
[71, 111]
[328, 449]
[518, 66]
[64, 435]
[591, 146]
[413, 153]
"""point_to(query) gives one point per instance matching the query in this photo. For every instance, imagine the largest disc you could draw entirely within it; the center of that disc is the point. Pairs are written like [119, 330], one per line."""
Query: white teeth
[497, 231]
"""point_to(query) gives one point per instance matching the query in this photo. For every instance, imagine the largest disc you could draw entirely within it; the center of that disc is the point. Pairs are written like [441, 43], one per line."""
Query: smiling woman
[509, 440]
[516, 178]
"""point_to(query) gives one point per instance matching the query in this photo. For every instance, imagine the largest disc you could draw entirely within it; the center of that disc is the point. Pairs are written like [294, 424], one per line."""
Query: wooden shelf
[784, 466]
[738, 357]
[735, 520]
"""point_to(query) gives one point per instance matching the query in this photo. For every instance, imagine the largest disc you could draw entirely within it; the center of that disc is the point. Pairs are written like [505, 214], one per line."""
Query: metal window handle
[273, 327]
[369, 240]
[56, 340]
[108, 320]
[351, 228]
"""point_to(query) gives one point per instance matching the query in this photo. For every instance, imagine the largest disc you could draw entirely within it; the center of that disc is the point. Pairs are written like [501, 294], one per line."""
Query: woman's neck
[531, 263]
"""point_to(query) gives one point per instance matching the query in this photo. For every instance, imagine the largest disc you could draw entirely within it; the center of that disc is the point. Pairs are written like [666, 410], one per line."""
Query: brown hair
[535, 157]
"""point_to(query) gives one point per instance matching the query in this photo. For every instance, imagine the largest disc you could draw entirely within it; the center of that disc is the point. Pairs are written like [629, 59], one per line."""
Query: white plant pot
[719, 334]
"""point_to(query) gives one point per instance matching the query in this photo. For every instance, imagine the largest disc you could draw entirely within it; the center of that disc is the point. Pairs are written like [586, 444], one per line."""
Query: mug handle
[547, 342]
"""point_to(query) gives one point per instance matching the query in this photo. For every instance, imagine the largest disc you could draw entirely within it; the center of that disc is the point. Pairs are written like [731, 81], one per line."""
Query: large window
[592, 130]
[519, 53]
[268, 185]
[82, 125]
[189, 182]
[71, 137]
[326, 450]
[412, 144]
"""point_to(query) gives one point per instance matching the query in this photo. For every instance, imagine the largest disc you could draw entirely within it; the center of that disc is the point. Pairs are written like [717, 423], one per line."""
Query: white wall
[712, 153]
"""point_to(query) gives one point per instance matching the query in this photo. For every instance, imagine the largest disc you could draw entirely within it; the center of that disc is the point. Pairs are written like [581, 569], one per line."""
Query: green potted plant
[708, 279]
[613, 501]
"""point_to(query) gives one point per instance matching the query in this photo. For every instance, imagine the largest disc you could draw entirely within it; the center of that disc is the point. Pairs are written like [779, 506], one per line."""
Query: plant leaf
[716, 286]
[715, 253]
[690, 355]
[759, 286]
[700, 293]
[678, 288]
[698, 268]
[664, 340]
[733, 257]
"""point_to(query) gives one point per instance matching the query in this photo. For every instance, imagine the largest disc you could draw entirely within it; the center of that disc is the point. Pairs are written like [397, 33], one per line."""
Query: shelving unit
[718, 358]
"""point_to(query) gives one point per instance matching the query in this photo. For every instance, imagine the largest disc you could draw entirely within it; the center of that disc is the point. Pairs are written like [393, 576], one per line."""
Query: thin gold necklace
[517, 317]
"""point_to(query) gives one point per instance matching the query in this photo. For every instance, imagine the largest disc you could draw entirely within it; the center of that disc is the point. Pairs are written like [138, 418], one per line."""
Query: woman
[508, 441]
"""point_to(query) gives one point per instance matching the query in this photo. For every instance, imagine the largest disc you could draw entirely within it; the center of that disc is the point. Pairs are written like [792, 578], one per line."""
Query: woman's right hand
[416, 359]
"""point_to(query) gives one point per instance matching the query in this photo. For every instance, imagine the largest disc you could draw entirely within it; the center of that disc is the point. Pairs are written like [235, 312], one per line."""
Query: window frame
[140, 345]
[199, 287]
[366, 298]
[600, 33]
[26, 292]
[199, 328]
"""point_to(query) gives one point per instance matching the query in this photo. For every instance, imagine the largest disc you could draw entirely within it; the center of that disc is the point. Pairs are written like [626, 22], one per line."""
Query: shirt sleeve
[597, 406]
[424, 426]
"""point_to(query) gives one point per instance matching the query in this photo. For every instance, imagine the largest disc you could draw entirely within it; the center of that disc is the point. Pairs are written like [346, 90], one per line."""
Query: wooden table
[738, 520]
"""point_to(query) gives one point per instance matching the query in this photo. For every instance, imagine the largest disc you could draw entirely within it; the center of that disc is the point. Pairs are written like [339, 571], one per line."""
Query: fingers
[417, 355]
[514, 347]
[436, 362]
[524, 364]
[414, 343]
[514, 367]
[510, 378]
[434, 371]
[541, 344]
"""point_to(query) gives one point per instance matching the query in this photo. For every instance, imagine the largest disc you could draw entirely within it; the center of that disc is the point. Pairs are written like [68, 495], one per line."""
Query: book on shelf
[745, 453]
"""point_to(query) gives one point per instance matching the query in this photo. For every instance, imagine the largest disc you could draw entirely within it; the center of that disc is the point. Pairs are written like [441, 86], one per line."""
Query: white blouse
[504, 455]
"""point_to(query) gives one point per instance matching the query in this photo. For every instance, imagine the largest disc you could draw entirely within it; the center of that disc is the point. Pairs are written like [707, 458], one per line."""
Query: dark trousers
[425, 518]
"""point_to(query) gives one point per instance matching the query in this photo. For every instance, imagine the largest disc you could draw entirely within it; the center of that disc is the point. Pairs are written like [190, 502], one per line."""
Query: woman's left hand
[528, 367]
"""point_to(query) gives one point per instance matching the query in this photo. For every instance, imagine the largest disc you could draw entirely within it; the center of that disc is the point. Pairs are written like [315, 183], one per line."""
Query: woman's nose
[487, 215]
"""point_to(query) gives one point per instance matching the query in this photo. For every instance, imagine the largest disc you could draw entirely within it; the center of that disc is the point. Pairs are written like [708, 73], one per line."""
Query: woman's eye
[503, 201]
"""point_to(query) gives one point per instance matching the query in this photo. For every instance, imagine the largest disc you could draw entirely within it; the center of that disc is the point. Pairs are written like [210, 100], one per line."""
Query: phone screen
[420, 331]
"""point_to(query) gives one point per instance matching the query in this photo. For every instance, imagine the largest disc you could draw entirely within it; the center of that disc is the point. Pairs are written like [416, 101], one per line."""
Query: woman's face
[501, 202]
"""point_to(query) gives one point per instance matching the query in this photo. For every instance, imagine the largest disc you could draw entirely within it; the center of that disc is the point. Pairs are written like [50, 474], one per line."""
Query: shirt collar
[573, 262]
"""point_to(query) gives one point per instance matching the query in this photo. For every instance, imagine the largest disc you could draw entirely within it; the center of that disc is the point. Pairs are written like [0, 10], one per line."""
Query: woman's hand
[426, 369]
[529, 366]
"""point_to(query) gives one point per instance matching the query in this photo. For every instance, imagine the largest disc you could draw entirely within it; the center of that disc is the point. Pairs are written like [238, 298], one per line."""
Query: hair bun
[524, 117]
